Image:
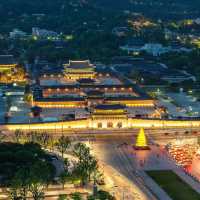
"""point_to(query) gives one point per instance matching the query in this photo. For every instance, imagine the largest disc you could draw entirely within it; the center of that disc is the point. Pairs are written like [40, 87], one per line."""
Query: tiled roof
[79, 64]
[110, 107]
[7, 60]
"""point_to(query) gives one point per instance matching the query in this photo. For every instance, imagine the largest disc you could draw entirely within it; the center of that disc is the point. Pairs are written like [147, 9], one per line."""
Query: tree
[63, 144]
[18, 135]
[63, 178]
[67, 164]
[25, 168]
[13, 194]
[76, 196]
[102, 195]
[87, 164]
[81, 151]
[39, 177]
[32, 137]
[136, 75]
[43, 139]
[62, 197]
[32, 179]
[2, 137]
[19, 185]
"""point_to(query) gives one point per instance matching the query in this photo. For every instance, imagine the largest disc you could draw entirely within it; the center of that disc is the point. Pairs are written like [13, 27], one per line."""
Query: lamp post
[29, 124]
[191, 126]
[29, 121]
[62, 127]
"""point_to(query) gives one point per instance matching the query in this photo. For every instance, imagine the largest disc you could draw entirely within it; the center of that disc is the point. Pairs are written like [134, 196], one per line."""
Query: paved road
[133, 187]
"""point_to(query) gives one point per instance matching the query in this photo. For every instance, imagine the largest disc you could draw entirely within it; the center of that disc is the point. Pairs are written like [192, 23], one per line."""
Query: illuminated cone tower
[141, 141]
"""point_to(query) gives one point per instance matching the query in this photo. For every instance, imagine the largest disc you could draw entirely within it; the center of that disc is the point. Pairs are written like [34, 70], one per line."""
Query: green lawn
[173, 185]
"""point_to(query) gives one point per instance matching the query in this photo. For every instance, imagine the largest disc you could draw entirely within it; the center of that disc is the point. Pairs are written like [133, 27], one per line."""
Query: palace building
[10, 71]
[75, 70]
[109, 116]
[83, 85]
[66, 96]
[7, 63]
[106, 116]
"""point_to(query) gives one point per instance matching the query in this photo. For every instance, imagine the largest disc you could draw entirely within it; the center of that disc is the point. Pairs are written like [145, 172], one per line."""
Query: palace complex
[84, 96]
[82, 85]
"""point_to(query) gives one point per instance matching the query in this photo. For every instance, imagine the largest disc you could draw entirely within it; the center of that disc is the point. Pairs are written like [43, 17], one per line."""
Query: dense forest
[22, 13]
[65, 14]
[90, 22]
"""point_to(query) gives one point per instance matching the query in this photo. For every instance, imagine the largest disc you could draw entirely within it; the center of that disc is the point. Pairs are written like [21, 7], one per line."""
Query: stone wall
[105, 124]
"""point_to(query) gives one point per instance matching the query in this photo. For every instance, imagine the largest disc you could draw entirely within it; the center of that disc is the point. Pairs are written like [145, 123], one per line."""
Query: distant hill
[19, 7]
[63, 15]
[156, 8]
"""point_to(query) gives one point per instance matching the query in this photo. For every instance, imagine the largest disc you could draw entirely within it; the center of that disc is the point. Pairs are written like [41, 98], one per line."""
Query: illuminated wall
[78, 104]
[76, 124]
[7, 68]
[60, 104]
[134, 103]
[105, 123]
[76, 76]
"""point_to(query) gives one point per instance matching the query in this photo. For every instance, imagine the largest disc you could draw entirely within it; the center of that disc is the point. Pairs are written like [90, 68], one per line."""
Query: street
[119, 166]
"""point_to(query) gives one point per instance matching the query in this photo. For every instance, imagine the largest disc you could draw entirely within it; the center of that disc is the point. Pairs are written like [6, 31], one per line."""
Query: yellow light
[35, 37]
[141, 140]
[69, 37]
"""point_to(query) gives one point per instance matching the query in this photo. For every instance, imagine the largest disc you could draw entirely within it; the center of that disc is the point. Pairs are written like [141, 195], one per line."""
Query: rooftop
[79, 64]
[110, 107]
[7, 60]
[94, 93]
[60, 99]
[86, 81]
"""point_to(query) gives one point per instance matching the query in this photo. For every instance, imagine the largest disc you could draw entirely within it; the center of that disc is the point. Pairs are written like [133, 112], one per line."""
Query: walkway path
[159, 192]
[189, 180]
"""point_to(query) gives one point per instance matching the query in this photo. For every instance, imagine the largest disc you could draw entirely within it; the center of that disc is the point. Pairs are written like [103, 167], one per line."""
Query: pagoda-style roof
[36, 108]
[86, 81]
[7, 60]
[110, 107]
[60, 99]
[94, 93]
[109, 111]
[84, 64]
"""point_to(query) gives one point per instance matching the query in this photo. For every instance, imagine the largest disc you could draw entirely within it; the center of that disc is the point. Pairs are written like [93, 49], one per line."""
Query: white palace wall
[94, 124]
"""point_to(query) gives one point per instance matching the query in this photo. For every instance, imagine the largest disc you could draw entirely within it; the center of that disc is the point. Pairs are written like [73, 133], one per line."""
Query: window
[119, 125]
[99, 125]
[110, 125]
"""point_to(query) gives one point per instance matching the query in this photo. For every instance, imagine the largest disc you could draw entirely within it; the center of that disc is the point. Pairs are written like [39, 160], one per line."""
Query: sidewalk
[189, 180]
[52, 192]
[155, 189]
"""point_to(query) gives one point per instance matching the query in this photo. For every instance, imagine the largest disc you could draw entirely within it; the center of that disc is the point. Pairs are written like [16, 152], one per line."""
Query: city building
[16, 33]
[43, 33]
[7, 63]
[120, 31]
[154, 49]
